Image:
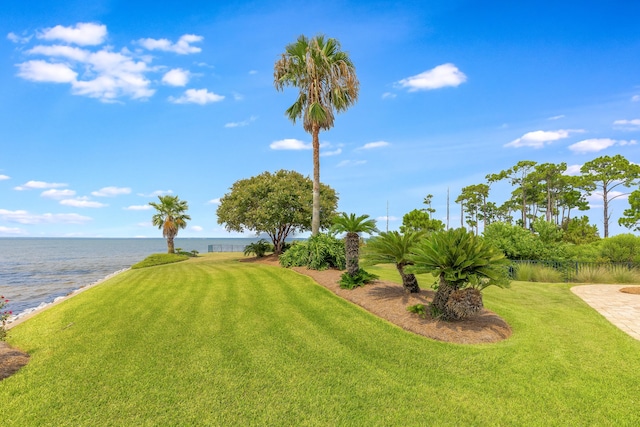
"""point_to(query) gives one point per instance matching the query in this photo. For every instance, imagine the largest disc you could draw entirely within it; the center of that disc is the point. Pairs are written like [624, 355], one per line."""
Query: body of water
[38, 270]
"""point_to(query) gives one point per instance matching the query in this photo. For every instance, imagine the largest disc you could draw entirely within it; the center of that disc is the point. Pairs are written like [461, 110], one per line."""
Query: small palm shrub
[361, 278]
[418, 309]
[259, 248]
[319, 252]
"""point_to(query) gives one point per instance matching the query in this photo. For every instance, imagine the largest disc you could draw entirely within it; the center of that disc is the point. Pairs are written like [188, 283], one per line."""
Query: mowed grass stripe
[213, 341]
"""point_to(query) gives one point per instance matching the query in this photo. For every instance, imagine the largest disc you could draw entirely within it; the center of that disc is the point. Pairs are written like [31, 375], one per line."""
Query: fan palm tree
[170, 217]
[353, 225]
[326, 79]
[393, 247]
[464, 264]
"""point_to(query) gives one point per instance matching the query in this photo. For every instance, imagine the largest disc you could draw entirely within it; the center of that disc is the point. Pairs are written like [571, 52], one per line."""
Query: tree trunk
[605, 202]
[170, 247]
[442, 296]
[315, 215]
[409, 281]
[352, 253]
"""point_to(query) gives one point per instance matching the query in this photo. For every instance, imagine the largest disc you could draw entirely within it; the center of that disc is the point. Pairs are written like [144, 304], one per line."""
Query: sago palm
[464, 265]
[170, 217]
[396, 248]
[327, 82]
[353, 225]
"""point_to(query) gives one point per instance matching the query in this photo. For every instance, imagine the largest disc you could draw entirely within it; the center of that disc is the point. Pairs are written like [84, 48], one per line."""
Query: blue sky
[106, 104]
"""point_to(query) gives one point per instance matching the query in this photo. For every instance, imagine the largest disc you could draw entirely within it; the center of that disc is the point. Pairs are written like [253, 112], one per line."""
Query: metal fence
[226, 248]
[572, 271]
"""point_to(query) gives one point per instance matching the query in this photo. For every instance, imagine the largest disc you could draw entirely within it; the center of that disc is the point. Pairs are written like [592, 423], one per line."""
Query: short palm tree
[170, 217]
[326, 79]
[393, 247]
[464, 265]
[353, 225]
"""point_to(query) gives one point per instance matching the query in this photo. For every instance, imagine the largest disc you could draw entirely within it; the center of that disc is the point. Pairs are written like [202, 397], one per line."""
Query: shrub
[361, 278]
[607, 274]
[193, 253]
[259, 248]
[319, 252]
[159, 259]
[418, 309]
[537, 273]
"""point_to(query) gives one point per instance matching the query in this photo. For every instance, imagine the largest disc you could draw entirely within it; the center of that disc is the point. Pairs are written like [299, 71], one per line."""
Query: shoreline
[30, 312]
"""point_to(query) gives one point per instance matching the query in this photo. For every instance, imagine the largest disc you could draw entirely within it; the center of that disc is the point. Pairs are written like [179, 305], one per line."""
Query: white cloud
[573, 170]
[635, 98]
[18, 39]
[111, 191]
[138, 208]
[157, 193]
[24, 217]
[197, 228]
[384, 218]
[561, 116]
[39, 185]
[68, 52]
[4, 177]
[83, 34]
[242, 123]
[176, 77]
[290, 144]
[441, 76]
[181, 47]
[82, 202]
[350, 163]
[388, 95]
[539, 138]
[253, 72]
[597, 144]
[197, 96]
[371, 145]
[331, 153]
[57, 194]
[633, 124]
[11, 231]
[43, 71]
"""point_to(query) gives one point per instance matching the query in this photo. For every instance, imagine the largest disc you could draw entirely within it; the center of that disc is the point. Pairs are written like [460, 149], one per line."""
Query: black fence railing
[226, 248]
[575, 271]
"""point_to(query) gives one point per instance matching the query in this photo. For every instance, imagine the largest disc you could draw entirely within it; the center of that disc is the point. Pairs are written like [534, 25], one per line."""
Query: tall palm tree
[170, 217]
[326, 79]
[353, 225]
[393, 247]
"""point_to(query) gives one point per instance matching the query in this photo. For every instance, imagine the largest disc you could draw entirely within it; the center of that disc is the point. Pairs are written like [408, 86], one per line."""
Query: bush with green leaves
[319, 252]
[259, 248]
[361, 278]
[418, 309]
[464, 265]
[159, 259]
[621, 248]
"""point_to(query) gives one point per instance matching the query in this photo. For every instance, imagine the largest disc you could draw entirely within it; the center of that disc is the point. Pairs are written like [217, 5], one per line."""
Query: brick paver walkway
[621, 309]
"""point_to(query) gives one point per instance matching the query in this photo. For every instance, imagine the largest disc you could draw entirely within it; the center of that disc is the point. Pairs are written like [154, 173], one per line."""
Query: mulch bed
[631, 290]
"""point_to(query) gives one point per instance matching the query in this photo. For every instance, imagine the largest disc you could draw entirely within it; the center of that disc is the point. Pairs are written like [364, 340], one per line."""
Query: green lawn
[212, 341]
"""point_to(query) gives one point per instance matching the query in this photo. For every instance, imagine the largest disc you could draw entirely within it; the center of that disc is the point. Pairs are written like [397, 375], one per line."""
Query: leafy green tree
[427, 201]
[277, 204]
[474, 197]
[418, 220]
[464, 265]
[327, 82]
[170, 217]
[631, 216]
[517, 175]
[353, 225]
[579, 231]
[393, 247]
[621, 248]
[606, 173]
[520, 244]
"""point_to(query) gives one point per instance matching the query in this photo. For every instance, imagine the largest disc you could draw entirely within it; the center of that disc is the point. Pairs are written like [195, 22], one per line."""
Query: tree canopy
[170, 216]
[278, 204]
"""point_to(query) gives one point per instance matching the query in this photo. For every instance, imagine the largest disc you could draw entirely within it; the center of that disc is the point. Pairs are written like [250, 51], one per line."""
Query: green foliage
[277, 204]
[537, 273]
[461, 259]
[4, 315]
[160, 259]
[418, 309]
[391, 247]
[361, 278]
[518, 243]
[631, 216]
[259, 248]
[418, 220]
[548, 232]
[621, 248]
[319, 252]
[192, 253]
[579, 231]
[170, 217]
[353, 225]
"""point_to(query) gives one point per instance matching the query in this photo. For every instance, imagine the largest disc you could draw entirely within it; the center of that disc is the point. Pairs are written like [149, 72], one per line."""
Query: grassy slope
[211, 341]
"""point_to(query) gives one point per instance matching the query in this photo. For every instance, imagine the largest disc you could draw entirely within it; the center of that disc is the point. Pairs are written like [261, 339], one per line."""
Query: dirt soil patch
[631, 290]
[389, 301]
[11, 360]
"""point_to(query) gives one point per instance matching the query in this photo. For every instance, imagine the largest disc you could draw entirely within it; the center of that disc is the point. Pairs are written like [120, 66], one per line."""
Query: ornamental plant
[4, 315]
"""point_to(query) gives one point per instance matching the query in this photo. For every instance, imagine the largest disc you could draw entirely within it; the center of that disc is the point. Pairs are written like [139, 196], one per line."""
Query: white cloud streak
[598, 144]
[83, 34]
[82, 202]
[46, 72]
[242, 123]
[57, 194]
[176, 77]
[4, 177]
[372, 145]
[441, 76]
[540, 138]
[111, 191]
[181, 47]
[290, 144]
[24, 217]
[197, 96]
[138, 208]
[39, 185]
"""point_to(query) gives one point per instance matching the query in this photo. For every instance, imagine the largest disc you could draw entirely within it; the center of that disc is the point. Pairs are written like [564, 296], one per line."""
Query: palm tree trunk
[409, 281]
[352, 253]
[315, 215]
[170, 246]
[442, 296]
